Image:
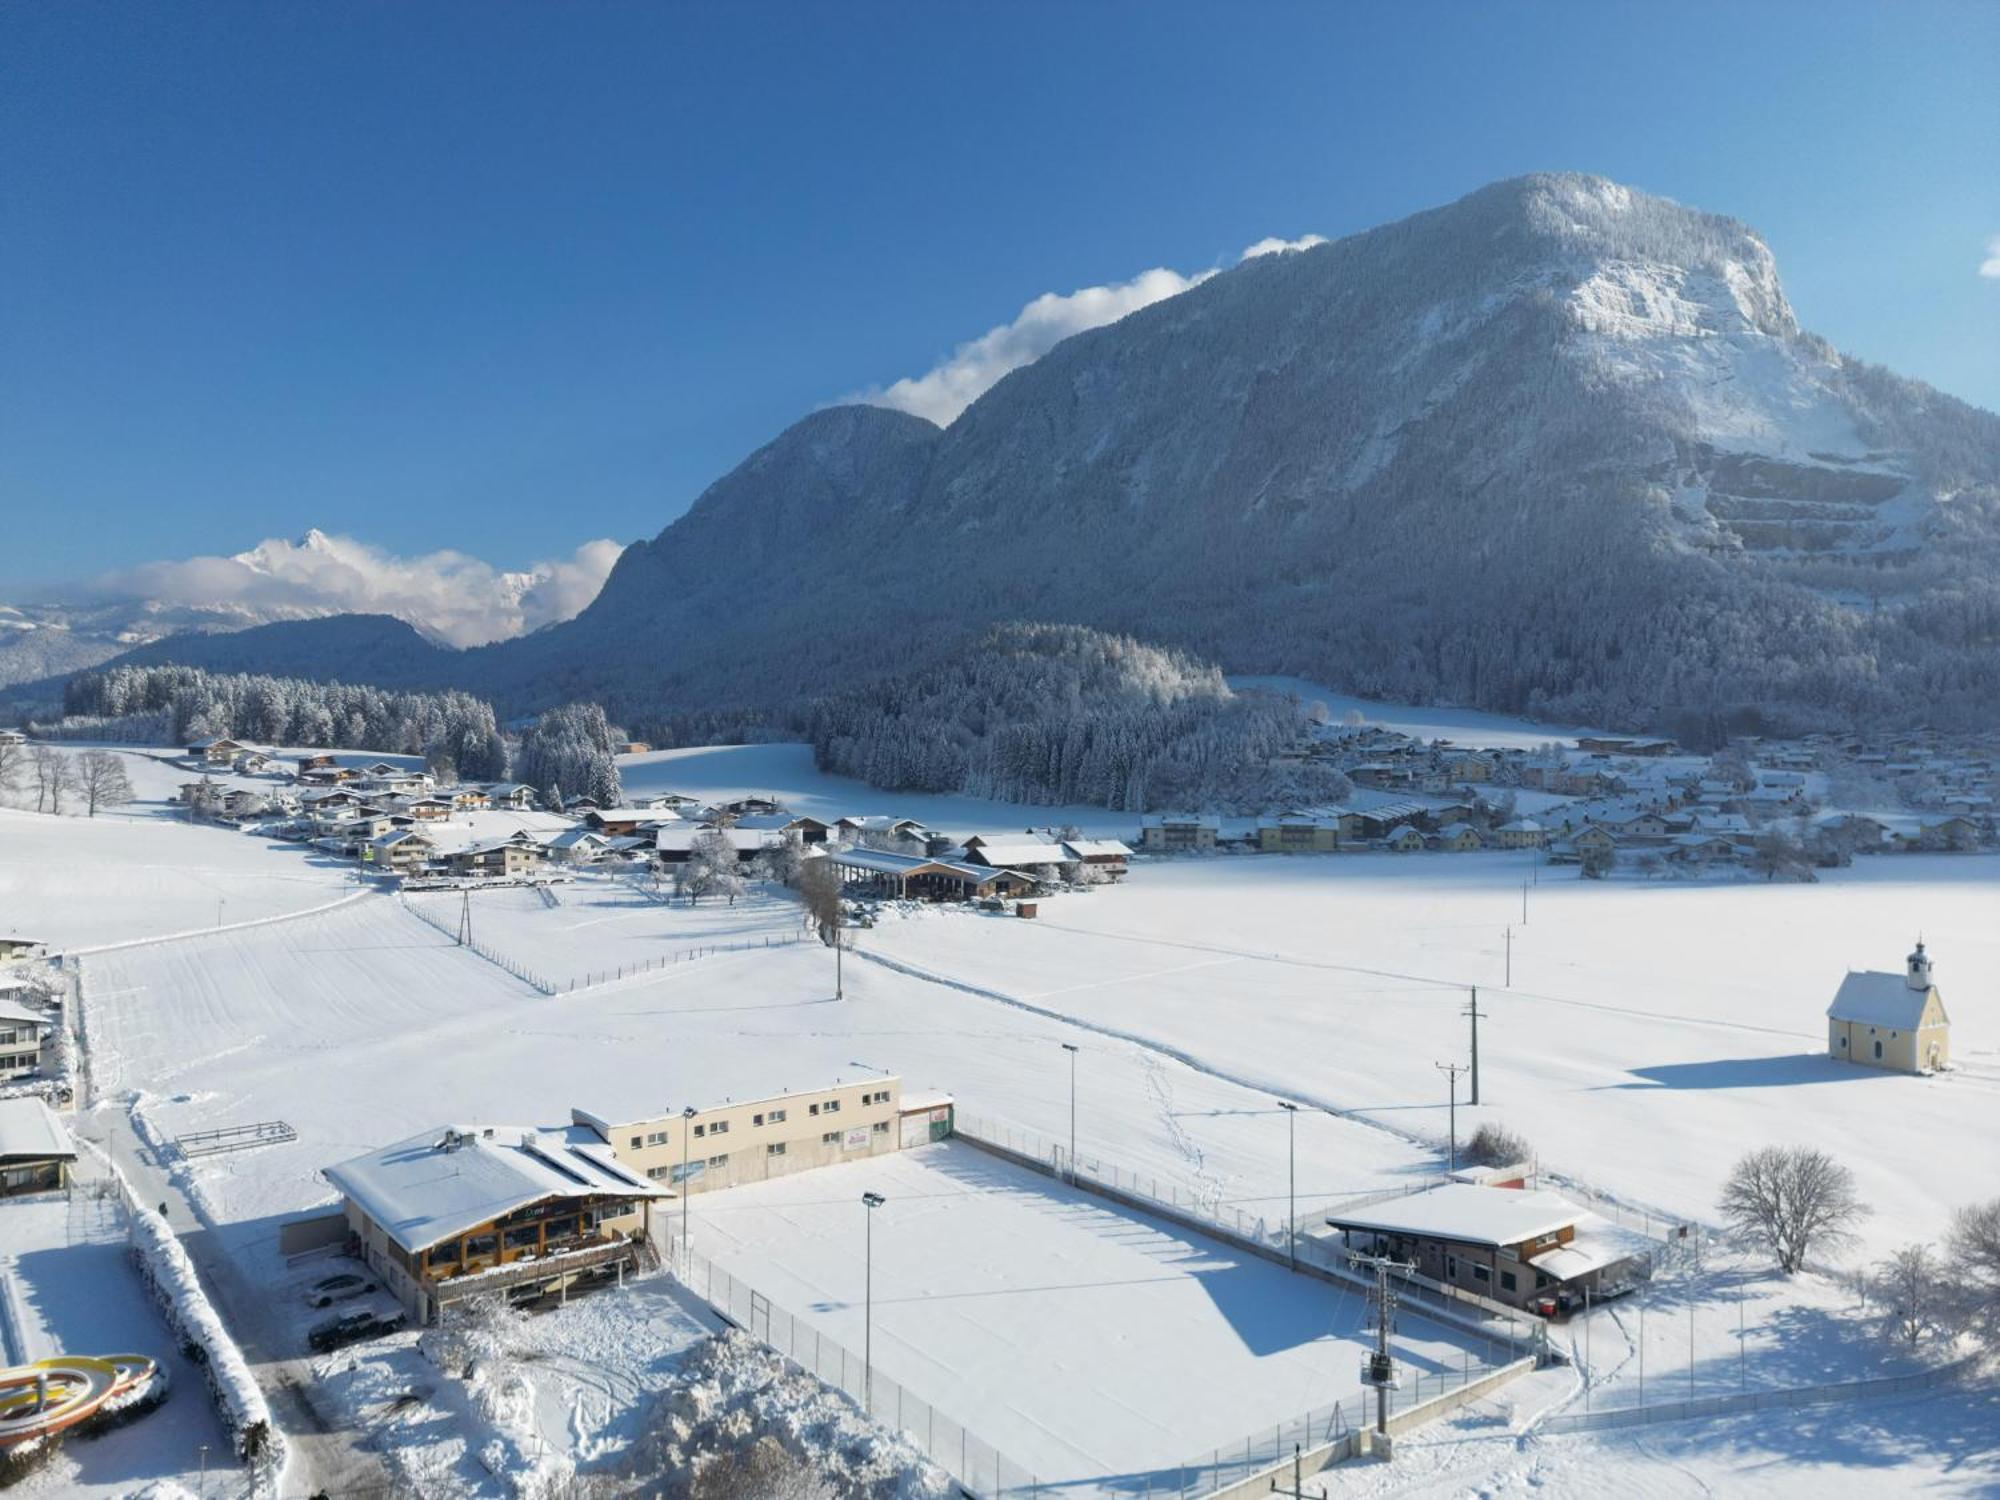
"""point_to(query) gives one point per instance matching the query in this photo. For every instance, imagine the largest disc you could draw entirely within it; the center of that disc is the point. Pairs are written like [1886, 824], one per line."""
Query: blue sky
[506, 277]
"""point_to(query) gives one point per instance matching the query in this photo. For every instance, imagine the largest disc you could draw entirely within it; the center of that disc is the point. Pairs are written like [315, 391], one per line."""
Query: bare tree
[713, 867]
[1596, 863]
[1494, 1145]
[101, 777]
[13, 765]
[1973, 1249]
[54, 775]
[784, 860]
[1914, 1295]
[819, 888]
[1792, 1200]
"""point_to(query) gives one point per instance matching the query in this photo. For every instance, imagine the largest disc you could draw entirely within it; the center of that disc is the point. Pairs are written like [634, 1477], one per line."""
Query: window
[756, 1119]
[776, 1148]
[655, 1138]
[1451, 1268]
[525, 1237]
[812, 1109]
[720, 1127]
[481, 1245]
[829, 1137]
[833, 1106]
[719, 1161]
[777, 1117]
[881, 1127]
[700, 1131]
[637, 1142]
[443, 1255]
[1878, 1050]
[1482, 1273]
[659, 1173]
[1506, 1281]
[559, 1228]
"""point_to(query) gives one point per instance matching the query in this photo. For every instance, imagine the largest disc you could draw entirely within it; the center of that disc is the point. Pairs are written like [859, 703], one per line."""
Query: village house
[1466, 766]
[23, 1032]
[428, 809]
[673, 843]
[400, 851]
[697, 1150]
[1526, 1248]
[1460, 838]
[1014, 851]
[512, 796]
[470, 799]
[466, 1211]
[854, 830]
[12, 948]
[12, 737]
[1300, 832]
[505, 858]
[1170, 833]
[36, 1152]
[216, 752]
[1894, 1021]
[1106, 856]
[1407, 839]
[1520, 833]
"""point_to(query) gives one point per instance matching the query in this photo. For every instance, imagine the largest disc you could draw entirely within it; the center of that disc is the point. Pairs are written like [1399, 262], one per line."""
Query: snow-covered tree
[101, 777]
[712, 867]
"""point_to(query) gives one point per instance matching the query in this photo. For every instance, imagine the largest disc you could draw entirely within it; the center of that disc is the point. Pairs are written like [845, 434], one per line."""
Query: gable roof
[1877, 999]
[437, 1185]
[30, 1131]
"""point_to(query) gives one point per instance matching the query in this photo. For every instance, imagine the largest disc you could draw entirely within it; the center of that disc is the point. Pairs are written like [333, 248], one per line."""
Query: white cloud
[1991, 265]
[1274, 246]
[453, 597]
[973, 368]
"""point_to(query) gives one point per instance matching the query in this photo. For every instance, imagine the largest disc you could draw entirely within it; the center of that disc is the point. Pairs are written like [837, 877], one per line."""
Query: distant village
[1600, 803]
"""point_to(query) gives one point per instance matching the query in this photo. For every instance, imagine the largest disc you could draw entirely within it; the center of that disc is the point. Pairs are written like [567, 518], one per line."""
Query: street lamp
[1070, 1048]
[1291, 1181]
[687, 1131]
[871, 1202]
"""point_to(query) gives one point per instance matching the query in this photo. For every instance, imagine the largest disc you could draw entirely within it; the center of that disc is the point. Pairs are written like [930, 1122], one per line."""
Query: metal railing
[979, 1468]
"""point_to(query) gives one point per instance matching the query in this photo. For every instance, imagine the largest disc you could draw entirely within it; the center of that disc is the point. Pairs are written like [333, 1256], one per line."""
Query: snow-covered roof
[434, 1186]
[1597, 1243]
[1467, 1213]
[1522, 825]
[888, 862]
[19, 1015]
[1096, 848]
[1020, 851]
[30, 1131]
[1878, 999]
[681, 837]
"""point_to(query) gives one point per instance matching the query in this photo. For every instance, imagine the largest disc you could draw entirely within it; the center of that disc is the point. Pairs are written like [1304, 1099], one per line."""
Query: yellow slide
[46, 1396]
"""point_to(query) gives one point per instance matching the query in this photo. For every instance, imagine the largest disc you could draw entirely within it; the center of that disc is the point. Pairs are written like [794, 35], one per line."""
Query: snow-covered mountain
[451, 599]
[1558, 447]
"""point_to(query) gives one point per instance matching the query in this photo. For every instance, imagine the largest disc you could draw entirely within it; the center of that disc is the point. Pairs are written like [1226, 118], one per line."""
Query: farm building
[914, 875]
[1165, 833]
[504, 1210]
[22, 1032]
[1894, 1021]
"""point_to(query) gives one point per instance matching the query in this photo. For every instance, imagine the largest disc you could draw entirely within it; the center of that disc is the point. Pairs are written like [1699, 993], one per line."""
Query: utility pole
[1451, 1071]
[1524, 903]
[1291, 1181]
[465, 920]
[1690, 1346]
[1379, 1370]
[1473, 1012]
[839, 979]
[1510, 958]
[1070, 1048]
[869, 1202]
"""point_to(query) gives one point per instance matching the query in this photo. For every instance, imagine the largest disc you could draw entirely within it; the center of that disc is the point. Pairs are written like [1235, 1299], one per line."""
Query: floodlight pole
[869, 1202]
[1071, 1049]
[1291, 1181]
[687, 1131]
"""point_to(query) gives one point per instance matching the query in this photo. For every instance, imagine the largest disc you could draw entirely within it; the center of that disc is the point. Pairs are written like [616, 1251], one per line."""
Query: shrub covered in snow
[166, 1269]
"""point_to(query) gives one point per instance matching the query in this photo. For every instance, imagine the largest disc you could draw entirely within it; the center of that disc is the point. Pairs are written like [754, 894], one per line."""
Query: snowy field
[1085, 1342]
[599, 924]
[88, 882]
[1651, 1035]
[70, 1288]
[717, 772]
[1462, 726]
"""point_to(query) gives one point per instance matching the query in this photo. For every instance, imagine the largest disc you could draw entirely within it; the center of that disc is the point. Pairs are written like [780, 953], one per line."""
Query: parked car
[351, 1328]
[339, 1288]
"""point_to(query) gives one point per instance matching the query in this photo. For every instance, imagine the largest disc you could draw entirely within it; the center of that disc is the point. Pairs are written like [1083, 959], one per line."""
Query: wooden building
[905, 876]
[495, 1210]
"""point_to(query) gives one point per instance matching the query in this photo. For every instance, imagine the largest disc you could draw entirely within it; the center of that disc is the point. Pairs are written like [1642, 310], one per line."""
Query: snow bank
[166, 1269]
[736, 1394]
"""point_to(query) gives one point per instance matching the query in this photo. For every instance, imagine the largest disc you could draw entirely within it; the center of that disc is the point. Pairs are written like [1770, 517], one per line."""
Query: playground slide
[48, 1396]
